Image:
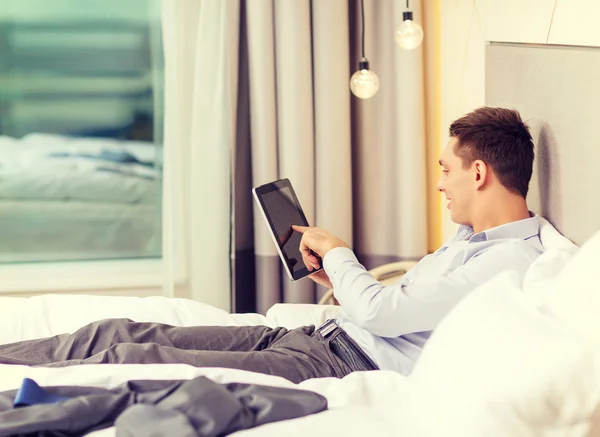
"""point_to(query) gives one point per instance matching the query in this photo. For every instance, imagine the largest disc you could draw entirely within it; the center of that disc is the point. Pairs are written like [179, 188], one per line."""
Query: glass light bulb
[364, 84]
[409, 35]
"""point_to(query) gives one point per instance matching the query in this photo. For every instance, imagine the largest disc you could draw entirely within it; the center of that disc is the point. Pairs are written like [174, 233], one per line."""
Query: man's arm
[391, 311]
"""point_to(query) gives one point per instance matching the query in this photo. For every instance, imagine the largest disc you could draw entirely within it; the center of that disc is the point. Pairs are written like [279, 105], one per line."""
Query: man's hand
[316, 241]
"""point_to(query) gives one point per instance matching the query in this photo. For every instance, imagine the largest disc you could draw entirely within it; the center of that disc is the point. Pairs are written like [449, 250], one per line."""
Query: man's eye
[444, 170]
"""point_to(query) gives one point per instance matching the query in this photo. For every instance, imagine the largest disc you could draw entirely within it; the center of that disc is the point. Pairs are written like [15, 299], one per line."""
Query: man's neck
[502, 211]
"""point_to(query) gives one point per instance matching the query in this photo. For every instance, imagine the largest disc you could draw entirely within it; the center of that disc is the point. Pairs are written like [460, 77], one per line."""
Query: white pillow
[552, 239]
[558, 251]
[497, 366]
[52, 314]
[574, 296]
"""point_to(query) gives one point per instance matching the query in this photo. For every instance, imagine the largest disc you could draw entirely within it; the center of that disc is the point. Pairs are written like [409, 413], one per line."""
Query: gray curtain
[358, 166]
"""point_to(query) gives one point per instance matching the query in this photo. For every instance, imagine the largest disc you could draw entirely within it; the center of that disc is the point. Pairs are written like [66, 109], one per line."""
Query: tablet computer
[280, 208]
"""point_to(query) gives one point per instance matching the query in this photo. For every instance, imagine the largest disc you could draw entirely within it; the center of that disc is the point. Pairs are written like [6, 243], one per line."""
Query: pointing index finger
[301, 229]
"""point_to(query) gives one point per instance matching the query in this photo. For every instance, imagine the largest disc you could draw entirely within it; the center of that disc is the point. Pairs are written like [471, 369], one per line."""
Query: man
[486, 168]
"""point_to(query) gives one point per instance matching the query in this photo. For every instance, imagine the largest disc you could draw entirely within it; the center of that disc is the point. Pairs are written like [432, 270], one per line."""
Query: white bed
[535, 370]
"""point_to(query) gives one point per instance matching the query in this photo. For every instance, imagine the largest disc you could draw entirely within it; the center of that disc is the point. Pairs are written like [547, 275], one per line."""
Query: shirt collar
[521, 229]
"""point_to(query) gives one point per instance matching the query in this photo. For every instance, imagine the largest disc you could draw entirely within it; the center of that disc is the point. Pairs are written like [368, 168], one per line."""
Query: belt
[345, 348]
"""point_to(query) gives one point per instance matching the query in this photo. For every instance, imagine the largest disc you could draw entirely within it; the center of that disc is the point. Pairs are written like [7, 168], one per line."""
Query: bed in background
[69, 198]
[80, 154]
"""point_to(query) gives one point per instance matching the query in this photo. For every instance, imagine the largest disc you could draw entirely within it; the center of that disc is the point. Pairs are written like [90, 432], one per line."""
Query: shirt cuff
[335, 258]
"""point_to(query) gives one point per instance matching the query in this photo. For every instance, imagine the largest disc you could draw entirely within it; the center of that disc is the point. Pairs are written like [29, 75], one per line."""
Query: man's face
[457, 184]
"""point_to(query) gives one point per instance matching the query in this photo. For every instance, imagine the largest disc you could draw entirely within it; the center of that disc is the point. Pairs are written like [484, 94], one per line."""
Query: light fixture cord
[406, 4]
[362, 17]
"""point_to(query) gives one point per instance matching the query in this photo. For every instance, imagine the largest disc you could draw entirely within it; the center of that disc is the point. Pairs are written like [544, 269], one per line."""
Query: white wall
[467, 26]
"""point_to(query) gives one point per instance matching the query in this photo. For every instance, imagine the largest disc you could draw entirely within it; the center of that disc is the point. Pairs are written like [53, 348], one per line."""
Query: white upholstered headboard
[557, 91]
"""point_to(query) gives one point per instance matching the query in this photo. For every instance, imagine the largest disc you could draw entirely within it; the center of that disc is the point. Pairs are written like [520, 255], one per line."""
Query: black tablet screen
[283, 212]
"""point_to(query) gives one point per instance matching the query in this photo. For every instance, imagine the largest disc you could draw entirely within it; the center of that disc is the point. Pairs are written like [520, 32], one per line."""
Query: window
[81, 84]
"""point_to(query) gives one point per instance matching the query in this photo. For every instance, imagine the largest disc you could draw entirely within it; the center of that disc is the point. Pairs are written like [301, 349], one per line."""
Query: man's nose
[439, 187]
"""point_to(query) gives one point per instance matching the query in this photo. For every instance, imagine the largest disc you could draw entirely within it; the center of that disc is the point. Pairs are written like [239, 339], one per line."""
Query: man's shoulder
[503, 255]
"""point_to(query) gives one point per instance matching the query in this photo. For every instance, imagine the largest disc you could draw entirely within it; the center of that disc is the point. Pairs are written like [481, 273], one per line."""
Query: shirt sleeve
[399, 309]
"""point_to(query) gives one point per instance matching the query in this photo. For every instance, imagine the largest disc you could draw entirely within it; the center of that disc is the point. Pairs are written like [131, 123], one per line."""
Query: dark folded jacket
[196, 407]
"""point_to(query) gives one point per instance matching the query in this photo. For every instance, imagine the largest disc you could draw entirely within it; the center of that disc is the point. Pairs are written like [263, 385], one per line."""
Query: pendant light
[409, 34]
[364, 83]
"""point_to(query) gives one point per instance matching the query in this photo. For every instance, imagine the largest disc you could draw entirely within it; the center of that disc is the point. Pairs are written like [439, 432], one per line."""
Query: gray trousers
[296, 354]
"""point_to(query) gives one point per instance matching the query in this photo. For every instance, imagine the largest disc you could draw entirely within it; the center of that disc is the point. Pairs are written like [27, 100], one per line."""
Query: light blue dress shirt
[392, 323]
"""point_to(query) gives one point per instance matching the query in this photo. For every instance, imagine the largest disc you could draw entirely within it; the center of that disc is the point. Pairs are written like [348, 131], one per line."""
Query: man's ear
[481, 173]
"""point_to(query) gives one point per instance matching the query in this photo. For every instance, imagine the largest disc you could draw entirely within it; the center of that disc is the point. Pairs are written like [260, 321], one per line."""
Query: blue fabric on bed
[32, 394]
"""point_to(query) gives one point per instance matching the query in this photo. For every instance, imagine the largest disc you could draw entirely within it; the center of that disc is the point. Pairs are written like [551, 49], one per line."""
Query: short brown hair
[498, 137]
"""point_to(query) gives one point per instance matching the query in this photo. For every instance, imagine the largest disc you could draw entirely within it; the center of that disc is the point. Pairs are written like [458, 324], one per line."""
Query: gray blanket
[197, 407]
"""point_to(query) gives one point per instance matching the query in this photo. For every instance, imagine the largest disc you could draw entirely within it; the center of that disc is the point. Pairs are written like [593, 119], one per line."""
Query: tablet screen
[282, 210]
